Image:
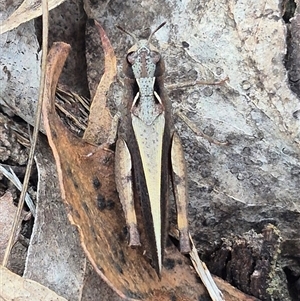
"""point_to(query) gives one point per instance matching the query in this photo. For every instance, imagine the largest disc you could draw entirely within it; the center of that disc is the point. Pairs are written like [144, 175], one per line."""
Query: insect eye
[131, 57]
[155, 56]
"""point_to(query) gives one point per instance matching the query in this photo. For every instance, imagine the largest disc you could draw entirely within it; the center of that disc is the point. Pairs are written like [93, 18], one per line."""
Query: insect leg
[179, 182]
[123, 174]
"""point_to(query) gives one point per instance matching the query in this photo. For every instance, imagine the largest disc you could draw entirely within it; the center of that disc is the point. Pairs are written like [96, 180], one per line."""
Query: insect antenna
[127, 32]
[158, 28]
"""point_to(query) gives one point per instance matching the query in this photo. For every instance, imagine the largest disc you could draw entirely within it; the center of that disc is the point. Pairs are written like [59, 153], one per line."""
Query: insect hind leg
[179, 182]
[123, 173]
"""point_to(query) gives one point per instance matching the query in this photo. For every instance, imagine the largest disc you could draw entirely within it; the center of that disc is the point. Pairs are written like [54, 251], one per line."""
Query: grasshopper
[149, 153]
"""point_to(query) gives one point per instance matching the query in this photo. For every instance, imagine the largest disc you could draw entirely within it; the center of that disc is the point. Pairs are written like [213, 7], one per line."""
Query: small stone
[245, 85]
[207, 91]
[219, 71]
[185, 44]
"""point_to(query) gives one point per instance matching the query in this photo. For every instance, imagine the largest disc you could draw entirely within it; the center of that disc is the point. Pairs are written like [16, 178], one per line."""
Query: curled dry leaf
[14, 287]
[86, 176]
[98, 128]
[27, 11]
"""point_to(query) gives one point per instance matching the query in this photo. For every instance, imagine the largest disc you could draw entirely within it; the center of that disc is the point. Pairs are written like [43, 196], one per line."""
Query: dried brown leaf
[27, 11]
[98, 128]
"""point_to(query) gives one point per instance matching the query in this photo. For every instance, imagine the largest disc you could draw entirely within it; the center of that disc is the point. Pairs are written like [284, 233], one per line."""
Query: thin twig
[204, 274]
[70, 116]
[67, 96]
[35, 132]
[201, 269]
[15, 180]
